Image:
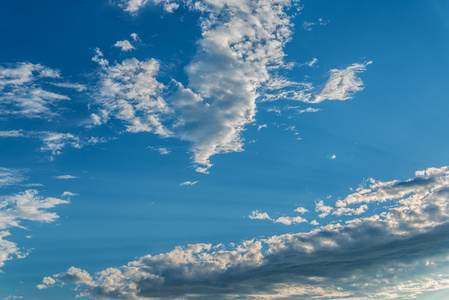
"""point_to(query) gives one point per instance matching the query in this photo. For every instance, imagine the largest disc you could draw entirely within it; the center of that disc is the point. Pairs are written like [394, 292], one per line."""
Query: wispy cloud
[404, 247]
[54, 142]
[66, 177]
[342, 84]
[10, 176]
[22, 90]
[188, 183]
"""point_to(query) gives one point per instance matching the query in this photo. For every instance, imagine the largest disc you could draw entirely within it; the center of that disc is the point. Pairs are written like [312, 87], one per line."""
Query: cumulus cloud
[256, 215]
[241, 47]
[124, 45]
[398, 253]
[130, 92]
[342, 84]
[22, 90]
[16, 208]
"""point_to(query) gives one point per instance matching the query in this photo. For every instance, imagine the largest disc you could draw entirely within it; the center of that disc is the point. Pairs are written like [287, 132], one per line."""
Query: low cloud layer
[404, 247]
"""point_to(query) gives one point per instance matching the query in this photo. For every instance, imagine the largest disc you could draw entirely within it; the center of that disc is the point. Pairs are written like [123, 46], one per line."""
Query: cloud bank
[398, 253]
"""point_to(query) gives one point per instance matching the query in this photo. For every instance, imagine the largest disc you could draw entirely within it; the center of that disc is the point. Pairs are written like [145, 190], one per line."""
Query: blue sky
[224, 149]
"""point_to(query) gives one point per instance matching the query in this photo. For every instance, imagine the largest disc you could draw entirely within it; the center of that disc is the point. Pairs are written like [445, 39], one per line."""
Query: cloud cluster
[23, 206]
[397, 253]
[242, 43]
[130, 92]
[256, 215]
[23, 92]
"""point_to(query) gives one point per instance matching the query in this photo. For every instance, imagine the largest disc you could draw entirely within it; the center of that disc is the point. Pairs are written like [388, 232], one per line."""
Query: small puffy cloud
[46, 282]
[188, 183]
[301, 210]
[290, 220]
[161, 150]
[256, 215]
[332, 156]
[66, 177]
[135, 37]
[342, 84]
[260, 127]
[124, 45]
[69, 194]
[397, 254]
[322, 209]
[22, 93]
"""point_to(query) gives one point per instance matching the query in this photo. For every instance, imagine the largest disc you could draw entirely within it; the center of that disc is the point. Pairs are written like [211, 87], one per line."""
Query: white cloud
[342, 84]
[323, 209]
[76, 86]
[23, 206]
[242, 44]
[135, 37]
[260, 127]
[22, 93]
[10, 177]
[256, 215]
[54, 142]
[332, 156]
[130, 92]
[69, 194]
[161, 150]
[396, 254]
[124, 45]
[11, 133]
[132, 6]
[308, 110]
[309, 25]
[301, 210]
[66, 177]
[188, 183]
